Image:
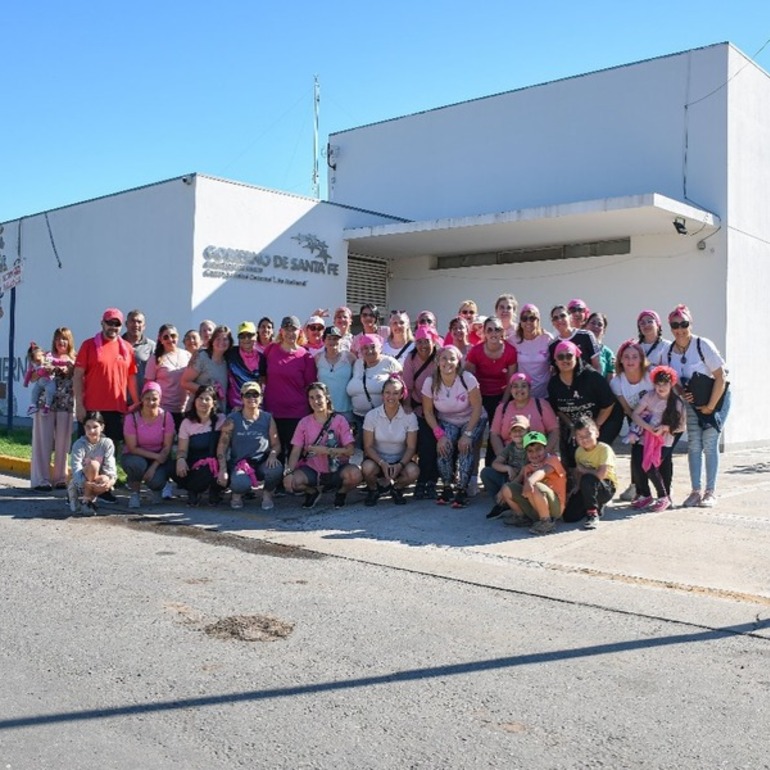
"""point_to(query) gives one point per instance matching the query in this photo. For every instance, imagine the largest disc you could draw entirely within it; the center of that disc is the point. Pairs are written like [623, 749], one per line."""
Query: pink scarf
[653, 450]
[243, 466]
[207, 462]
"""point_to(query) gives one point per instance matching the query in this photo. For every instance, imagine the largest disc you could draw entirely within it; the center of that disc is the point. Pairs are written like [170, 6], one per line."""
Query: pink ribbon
[207, 462]
[244, 467]
[653, 451]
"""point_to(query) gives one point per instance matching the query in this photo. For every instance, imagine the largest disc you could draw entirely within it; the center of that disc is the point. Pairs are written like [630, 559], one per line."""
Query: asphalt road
[105, 662]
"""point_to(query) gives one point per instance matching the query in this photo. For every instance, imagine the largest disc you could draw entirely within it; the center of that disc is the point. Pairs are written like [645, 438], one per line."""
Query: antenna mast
[316, 106]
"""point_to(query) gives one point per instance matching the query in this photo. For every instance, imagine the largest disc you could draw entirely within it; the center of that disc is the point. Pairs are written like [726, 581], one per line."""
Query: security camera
[188, 180]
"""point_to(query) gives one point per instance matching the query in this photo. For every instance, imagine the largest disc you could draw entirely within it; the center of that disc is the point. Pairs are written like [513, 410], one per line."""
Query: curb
[16, 466]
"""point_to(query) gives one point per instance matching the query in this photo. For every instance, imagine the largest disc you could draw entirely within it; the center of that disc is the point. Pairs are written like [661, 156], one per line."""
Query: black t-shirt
[584, 339]
[588, 394]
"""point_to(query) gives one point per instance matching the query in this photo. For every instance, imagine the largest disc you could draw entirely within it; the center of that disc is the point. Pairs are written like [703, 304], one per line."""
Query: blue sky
[101, 97]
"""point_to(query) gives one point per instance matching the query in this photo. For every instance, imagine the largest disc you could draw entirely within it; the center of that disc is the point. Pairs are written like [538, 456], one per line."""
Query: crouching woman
[321, 449]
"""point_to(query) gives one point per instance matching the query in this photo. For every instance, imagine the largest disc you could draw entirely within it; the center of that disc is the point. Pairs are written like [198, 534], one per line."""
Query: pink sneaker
[641, 502]
[661, 504]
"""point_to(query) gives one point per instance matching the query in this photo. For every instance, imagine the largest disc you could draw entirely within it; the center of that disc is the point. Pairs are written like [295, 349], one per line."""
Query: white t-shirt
[620, 386]
[452, 405]
[656, 352]
[687, 363]
[389, 350]
[390, 435]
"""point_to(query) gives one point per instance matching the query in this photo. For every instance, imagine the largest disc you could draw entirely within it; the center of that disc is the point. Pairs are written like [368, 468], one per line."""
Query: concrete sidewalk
[707, 567]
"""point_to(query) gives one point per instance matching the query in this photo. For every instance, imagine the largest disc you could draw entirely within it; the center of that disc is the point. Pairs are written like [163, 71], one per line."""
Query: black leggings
[661, 476]
[426, 451]
[593, 493]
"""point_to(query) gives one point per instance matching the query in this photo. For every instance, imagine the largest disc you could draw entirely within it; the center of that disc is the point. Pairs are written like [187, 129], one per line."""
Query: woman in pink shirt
[166, 367]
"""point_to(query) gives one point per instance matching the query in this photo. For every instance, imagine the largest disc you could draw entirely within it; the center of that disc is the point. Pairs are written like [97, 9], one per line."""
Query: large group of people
[284, 408]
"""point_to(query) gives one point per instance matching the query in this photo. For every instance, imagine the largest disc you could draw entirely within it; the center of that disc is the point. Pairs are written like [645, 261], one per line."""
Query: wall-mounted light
[680, 226]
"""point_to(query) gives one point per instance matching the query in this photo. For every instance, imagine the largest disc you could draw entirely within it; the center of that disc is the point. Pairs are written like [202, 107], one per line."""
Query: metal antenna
[316, 107]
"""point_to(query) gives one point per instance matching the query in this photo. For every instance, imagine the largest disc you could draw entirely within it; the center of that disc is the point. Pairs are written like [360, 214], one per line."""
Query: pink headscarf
[681, 310]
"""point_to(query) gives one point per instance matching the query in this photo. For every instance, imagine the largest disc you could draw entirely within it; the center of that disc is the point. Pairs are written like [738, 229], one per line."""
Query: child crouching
[92, 461]
[596, 479]
[540, 490]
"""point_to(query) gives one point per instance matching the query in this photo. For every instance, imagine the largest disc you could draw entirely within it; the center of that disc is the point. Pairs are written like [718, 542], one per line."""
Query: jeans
[704, 443]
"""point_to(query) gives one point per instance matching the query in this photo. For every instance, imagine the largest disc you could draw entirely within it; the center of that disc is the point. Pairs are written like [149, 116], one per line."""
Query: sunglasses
[397, 312]
[526, 318]
[493, 329]
[167, 337]
[315, 328]
[467, 312]
[114, 323]
[577, 309]
[565, 356]
[679, 324]
[252, 394]
[558, 316]
[430, 321]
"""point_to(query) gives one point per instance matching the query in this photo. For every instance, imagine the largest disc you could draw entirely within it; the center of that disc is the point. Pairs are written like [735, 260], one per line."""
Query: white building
[566, 189]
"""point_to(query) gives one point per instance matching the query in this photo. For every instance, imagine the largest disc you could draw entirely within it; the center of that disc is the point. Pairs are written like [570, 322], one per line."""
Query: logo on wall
[222, 262]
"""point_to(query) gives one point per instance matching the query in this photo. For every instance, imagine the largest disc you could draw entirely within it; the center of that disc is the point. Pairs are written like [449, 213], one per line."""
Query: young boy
[595, 469]
[510, 461]
[539, 493]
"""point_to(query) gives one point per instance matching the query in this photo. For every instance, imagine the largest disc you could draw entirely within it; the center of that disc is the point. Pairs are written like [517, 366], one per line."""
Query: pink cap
[150, 386]
[112, 314]
[427, 333]
[530, 308]
[651, 313]
[567, 346]
[370, 339]
[520, 377]
[573, 303]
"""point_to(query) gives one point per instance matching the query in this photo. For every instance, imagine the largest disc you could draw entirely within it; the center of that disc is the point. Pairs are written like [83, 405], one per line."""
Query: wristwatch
[468, 433]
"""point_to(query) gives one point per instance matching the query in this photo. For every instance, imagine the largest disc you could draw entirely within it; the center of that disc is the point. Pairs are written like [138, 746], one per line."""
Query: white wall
[263, 224]
[747, 229]
[128, 251]
[611, 133]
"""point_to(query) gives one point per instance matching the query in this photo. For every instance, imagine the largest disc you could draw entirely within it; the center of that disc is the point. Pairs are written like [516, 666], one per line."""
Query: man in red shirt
[105, 370]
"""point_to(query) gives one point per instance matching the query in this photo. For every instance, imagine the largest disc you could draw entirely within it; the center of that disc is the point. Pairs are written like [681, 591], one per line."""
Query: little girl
[40, 364]
[660, 415]
[92, 461]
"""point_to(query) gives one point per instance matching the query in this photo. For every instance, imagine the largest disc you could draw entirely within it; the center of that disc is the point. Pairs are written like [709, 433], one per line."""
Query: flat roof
[565, 223]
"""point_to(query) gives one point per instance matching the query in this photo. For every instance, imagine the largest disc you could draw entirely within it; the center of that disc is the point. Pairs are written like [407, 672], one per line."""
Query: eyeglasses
[252, 394]
[527, 318]
[167, 337]
[679, 324]
[558, 316]
[114, 323]
[315, 328]
[565, 356]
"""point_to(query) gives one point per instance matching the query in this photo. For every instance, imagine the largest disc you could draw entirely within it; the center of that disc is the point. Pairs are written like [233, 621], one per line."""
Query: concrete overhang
[566, 223]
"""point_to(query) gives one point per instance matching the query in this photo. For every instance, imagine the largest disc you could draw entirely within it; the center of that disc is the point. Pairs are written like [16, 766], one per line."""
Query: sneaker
[339, 500]
[692, 500]
[641, 502]
[542, 527]
[45, 487]
[311, 498]
[267, 501]
[708, 500]
[419, 490]
[72, 499]
[168, 491]
[372, 496]
[661, 504]
[517, 520]
[134, 501]
[236, 501]
[473, 486]
[156, 498]
[92, 507]
[430, 490]
[445, 496]
[591, 520]
[498, 509]
[109, 498]
[629, 494]
[398, 495]
[461, 499]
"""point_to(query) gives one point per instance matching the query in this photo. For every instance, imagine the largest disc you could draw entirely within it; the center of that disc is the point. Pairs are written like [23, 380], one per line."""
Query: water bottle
[331, 441]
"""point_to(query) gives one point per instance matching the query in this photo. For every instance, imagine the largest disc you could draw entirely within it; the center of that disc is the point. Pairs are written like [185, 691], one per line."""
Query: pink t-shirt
[534, 360]
[289, 372]
[307, 432]
[501, 422]
[492, 373]
[452, 405]
[191, 428]
[149, 435]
